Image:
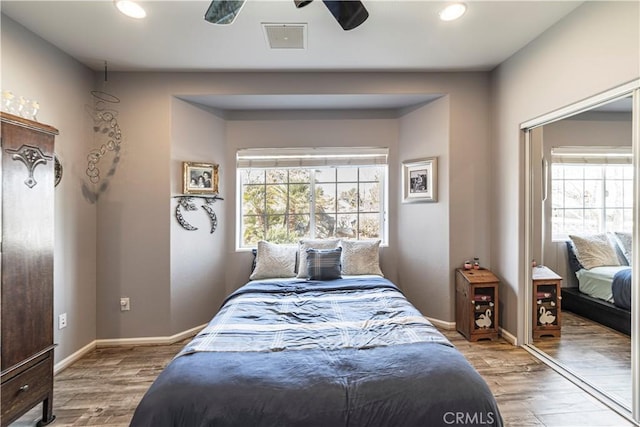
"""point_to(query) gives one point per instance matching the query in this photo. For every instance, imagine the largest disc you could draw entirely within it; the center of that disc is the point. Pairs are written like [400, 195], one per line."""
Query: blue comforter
[348, 352]
[621, 289]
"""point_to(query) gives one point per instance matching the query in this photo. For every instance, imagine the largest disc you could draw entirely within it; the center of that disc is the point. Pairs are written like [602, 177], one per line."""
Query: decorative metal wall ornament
[31, 157]
[105, 123]
[187, 203]
[57, 168]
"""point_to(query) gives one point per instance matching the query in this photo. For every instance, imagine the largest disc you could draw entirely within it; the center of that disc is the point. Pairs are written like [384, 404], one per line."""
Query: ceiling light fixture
[453, 12]
[130, 8]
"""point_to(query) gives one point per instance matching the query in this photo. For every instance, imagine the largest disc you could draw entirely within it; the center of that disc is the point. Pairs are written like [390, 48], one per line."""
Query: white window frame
[590, 157]
[313, 159]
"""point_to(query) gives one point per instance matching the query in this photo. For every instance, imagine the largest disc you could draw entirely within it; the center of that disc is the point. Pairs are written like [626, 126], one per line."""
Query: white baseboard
[68, 361]
[449, 326]
[511, 339]
[115, 342]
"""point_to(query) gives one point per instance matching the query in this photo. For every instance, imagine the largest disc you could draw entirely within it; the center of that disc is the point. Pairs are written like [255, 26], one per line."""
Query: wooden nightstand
[547, 298]
[477, 304]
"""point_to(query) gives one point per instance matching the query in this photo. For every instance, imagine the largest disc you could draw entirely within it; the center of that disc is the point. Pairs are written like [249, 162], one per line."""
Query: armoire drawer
[26, 389]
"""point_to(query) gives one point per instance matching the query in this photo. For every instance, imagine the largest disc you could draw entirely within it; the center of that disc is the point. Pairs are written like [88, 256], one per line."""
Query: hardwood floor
[104, 387]
[600, 355]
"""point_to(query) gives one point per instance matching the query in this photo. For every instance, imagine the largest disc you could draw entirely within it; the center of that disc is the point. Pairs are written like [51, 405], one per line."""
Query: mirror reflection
[582, 228]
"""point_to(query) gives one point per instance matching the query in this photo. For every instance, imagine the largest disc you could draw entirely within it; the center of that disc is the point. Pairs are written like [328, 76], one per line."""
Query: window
[591, 191]
[289, 194]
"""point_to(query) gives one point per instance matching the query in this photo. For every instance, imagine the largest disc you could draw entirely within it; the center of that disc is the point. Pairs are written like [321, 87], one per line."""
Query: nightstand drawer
[26, 389]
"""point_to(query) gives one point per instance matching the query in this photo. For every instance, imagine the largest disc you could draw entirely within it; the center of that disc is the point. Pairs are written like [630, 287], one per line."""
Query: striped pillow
[323, 264]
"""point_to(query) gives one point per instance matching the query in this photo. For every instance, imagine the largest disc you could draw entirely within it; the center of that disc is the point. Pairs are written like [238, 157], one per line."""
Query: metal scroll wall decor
[107, 137]
[187, 203]
[31, 157]
[105, 125]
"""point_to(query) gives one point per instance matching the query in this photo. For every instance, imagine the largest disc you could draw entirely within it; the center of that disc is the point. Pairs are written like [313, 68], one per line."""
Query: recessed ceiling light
[131, 9]
[453, 11]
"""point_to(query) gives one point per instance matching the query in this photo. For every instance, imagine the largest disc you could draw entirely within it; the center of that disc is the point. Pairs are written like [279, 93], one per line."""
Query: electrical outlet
[62, 321]
[125, 305]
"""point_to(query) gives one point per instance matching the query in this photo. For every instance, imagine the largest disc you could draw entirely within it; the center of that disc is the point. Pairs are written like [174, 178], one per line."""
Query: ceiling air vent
[285, 36]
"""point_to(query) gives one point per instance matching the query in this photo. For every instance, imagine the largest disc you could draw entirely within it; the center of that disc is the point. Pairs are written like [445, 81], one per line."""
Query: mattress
[347, 352]
[596, 282]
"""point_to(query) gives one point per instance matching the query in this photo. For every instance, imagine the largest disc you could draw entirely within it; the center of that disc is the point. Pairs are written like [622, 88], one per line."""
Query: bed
[347, 351]
[601, 292]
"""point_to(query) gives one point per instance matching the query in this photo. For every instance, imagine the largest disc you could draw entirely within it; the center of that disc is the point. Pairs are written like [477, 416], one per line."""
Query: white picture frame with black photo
[420, 180]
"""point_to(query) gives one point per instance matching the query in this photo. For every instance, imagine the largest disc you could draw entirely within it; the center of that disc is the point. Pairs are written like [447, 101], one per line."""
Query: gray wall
[595, 48]
[35, 69]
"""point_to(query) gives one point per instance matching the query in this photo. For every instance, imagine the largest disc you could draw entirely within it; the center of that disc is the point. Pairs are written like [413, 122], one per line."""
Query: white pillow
[273, 260]
[594, 250]
[361, 257]
[624, 243]
[312, 244]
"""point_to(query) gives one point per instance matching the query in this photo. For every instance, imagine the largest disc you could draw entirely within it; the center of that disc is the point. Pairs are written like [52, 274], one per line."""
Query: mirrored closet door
[580, 234]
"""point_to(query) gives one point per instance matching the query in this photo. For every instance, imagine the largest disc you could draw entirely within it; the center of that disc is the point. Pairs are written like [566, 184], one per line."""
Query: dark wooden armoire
[26, 297]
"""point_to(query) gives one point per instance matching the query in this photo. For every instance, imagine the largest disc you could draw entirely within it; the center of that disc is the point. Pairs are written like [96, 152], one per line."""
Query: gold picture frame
[199, 178]
[420, 180]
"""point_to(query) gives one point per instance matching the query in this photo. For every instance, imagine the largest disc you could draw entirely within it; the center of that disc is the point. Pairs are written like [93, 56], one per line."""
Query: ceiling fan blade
[301, 3]
[223, 11]
[348, 13]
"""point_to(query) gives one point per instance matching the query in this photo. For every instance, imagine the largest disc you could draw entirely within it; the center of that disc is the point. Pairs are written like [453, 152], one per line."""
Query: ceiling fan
[348, 13]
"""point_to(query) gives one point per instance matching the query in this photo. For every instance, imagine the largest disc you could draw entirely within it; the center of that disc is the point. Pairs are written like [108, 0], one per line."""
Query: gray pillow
[324, 264]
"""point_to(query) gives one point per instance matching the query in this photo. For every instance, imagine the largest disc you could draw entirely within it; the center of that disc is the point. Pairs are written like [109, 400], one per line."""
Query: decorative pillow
[361, 257]
[323, 264]
[594, 250]
[312, 244]
[624, 242]
[273, 260]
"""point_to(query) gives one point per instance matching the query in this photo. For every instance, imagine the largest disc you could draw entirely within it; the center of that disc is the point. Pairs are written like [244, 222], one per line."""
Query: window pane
[573, 220]
[299, 227]
[276, 199]
[557, 224]
[252, 176]
[615, 193]
[277, 176]
[592, 172]
[614, 172]
[628, 194]
[614, 220]
[253, 200]
[325, 175]
[253, 229]
[628, 172]
[277, 229]
[573, 194]
[325, 225]
[592, 220]
[299, 199]
[370, 197]
[593, 194]
[573, 172]
[347, 226]
[557, 194]
[326, 197]
[627, 224]
[347, 174]
[299, 175]
[373, 173]
[369, 227]
[557, 171]
[347, 198]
